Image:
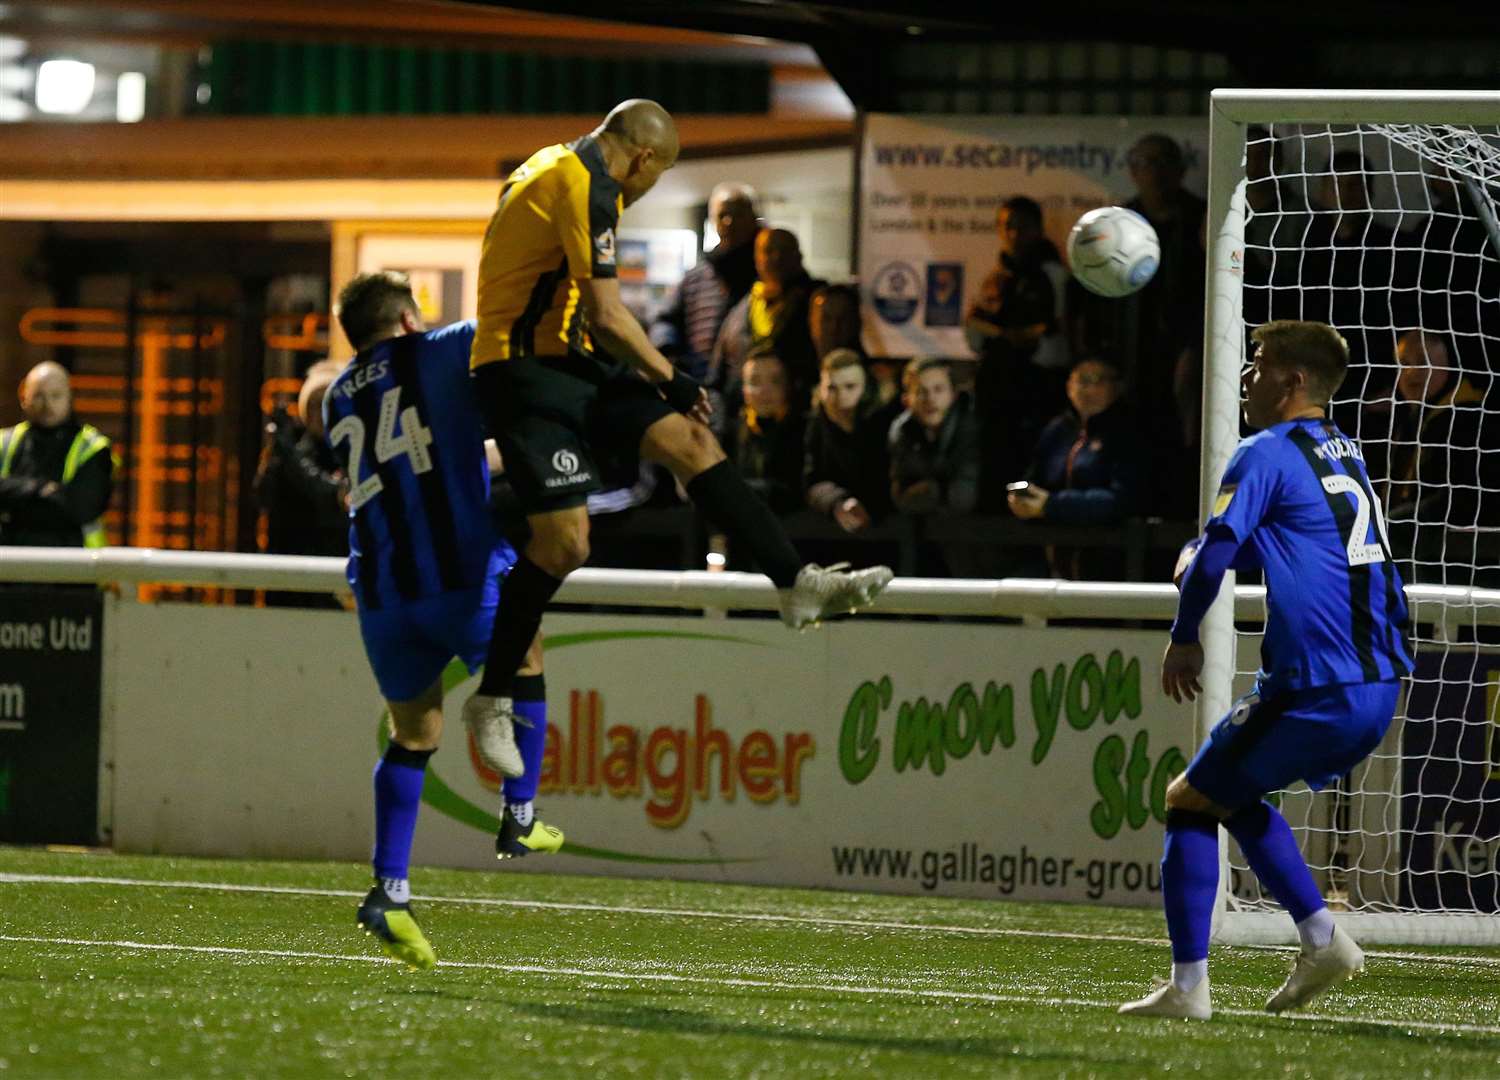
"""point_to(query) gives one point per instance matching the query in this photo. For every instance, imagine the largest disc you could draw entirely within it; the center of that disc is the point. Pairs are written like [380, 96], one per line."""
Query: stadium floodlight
[1376, 211]
[130, 97]
[64, 87]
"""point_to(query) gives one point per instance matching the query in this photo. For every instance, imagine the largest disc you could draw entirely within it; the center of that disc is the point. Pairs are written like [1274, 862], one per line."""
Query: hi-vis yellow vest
[88, 442]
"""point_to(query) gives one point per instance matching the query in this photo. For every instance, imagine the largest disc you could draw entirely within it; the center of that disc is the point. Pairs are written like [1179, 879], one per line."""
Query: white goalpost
[1377, 212]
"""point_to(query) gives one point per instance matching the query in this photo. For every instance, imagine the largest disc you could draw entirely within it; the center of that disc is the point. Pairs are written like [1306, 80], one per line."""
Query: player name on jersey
[361, 377]
[1338, 448]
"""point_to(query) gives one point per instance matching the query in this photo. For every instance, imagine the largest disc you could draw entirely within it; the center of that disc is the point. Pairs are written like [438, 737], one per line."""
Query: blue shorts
[409, 645]
[1315, 735]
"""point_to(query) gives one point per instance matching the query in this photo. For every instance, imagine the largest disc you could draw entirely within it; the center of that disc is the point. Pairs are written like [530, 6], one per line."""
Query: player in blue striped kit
[426, 566]
[1297, 504]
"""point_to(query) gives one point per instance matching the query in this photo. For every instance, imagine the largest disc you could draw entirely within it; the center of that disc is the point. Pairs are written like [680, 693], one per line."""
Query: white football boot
[1316, 970]
[821, 591]
[1166, 1000]
[491, 724]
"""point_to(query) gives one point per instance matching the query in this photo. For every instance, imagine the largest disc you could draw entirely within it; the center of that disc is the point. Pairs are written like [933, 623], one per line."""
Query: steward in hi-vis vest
[56, 474]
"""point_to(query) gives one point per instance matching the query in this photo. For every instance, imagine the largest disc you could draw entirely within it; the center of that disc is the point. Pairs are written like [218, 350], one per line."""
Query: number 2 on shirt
[1360, 553]
[413, 441]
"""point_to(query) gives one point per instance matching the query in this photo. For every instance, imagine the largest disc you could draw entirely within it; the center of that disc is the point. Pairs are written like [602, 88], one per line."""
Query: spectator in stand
[833, 320]
[934, 443]
[1445, 460]
[1460, 275]
[835, 323]
[1350, 265]
[1275, 230]
[1158, 333]
[56, 474]
[771, 317]
[301, 487]
[689, 325]
[1017, 329]
[1087, 471]
[846, 468]
[885, 374]
[768, 445]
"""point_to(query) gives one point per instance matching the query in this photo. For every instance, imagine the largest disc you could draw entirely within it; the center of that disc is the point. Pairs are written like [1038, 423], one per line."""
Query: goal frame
[1230, 113]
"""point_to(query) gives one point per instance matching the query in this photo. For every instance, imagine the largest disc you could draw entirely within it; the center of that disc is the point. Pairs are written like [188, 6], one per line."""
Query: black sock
[530, 687]
[397, 754]
[523, 597]
[727, 501]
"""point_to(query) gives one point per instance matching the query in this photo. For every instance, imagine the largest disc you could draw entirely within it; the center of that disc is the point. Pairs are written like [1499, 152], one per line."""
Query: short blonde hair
[1316, 348]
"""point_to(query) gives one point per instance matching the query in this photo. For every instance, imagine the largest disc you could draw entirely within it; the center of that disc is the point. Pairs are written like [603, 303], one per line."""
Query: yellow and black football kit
[549, 400]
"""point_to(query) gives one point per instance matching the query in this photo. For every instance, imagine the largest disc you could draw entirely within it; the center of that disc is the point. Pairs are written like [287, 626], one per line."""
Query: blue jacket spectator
[1087, 470]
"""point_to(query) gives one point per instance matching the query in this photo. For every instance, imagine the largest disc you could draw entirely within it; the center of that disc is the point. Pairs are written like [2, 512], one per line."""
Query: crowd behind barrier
[1068, 446]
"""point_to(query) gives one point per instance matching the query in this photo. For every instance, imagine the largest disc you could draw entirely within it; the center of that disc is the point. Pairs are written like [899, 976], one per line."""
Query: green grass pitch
[115, 966]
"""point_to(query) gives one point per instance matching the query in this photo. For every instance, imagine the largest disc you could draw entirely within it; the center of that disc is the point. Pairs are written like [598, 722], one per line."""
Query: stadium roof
[1271, 43]
[1212, 24]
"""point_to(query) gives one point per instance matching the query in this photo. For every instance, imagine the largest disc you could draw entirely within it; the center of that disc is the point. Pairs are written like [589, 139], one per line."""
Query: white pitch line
[690, 913]
[604, 909]
[749, 984]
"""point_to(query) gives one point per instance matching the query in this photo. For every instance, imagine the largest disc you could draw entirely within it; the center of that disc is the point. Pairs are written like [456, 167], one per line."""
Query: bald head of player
[1298, 367]
[639, 142]
[47, 395]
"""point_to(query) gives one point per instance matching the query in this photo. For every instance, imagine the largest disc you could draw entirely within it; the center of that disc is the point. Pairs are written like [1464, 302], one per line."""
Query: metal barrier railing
[1030, 598]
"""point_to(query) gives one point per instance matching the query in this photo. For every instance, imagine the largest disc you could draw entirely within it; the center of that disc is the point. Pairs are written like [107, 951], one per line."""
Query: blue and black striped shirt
[1298, 499]
[403, 419]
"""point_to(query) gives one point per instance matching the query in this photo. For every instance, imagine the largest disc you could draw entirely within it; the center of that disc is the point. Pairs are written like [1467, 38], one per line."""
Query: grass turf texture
[597, 989]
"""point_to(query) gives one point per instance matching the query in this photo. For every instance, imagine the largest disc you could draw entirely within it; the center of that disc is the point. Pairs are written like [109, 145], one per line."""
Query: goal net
[1377, 213]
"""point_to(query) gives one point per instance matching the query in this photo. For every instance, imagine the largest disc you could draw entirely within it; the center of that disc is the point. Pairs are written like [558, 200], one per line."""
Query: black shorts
[567, 426]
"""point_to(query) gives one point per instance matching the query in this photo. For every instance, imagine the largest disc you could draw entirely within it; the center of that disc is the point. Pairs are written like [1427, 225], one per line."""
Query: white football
[1113, 251]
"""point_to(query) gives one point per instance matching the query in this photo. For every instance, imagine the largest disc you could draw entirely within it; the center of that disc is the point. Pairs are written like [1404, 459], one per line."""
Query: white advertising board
[930, 187]
[941, 759]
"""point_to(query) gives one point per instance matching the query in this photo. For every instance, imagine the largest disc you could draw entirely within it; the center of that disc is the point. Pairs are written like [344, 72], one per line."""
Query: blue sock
[1272, 852]
[398, 796]
[531, 736]
[1190, 882]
